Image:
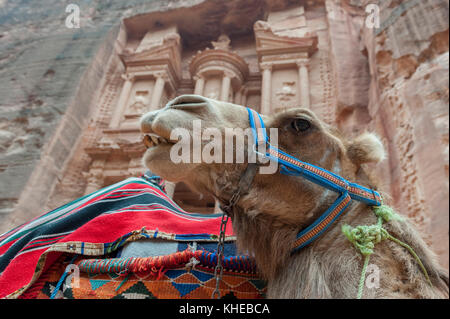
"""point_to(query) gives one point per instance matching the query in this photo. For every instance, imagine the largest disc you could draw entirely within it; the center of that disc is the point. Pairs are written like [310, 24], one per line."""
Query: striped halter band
[292, 166]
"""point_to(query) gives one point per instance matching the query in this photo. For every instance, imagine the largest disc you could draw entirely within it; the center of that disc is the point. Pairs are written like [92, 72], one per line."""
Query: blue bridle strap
[290, 165]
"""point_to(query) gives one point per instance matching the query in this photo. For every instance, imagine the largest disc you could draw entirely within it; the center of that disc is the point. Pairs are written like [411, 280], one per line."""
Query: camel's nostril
[188, 101]
[146, 121]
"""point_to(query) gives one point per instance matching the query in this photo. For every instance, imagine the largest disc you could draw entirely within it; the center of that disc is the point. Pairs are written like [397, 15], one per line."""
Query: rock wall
[409, 98]
[403, 65]
[50, 76]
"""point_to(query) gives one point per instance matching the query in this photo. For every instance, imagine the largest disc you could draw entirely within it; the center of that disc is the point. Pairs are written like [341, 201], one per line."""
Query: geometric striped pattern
[98, 224]
[165, 283]
[153, 277]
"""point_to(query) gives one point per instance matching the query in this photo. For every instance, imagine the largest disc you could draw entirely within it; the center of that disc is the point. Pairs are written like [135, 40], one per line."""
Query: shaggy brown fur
[268, 218]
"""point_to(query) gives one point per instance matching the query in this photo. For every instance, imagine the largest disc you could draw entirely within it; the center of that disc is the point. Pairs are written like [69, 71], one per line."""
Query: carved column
[122, 103]
[238, 97]
[266, 91]
[94, 181]
[303, 79]
[199, 84]
[244, 97]
[226, 83]
[158, 90]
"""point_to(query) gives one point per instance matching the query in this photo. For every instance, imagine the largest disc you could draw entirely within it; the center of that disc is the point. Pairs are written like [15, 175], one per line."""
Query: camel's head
[288, 199]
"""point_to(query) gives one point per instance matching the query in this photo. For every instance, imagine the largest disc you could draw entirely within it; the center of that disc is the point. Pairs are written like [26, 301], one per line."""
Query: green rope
[363, 277]
[386, 212]
[364, 238]
[413, 253]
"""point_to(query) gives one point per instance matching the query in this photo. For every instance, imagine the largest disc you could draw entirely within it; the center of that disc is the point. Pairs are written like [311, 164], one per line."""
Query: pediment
[168, 53]
[267, 42]
[164, 52]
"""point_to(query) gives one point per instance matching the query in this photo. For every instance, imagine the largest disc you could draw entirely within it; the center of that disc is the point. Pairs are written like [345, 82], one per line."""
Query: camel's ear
[366, 148]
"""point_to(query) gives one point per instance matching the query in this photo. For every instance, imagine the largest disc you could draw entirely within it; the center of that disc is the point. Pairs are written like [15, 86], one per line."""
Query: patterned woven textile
[100, 224]
[122, 278]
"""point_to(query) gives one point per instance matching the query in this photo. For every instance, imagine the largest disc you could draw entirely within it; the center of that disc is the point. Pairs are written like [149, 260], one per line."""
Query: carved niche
[152, 75]
[284, 49]
[219, 73]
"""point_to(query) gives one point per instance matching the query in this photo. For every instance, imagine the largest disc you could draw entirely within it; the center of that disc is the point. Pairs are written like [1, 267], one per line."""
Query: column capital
[266, 66]
[127, 76]
[302, 63]
[228, 74]
[161, 75]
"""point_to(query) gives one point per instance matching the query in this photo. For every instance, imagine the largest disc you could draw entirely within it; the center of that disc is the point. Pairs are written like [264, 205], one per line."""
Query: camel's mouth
[153, 140]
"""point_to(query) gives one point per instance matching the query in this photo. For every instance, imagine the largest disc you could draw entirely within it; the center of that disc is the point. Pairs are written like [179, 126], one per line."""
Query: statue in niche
[139, 103]
[213, 95]
[287, 91]
[222, 43]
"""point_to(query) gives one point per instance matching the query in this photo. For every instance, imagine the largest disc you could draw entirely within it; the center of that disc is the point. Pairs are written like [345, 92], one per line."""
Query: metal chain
[218, 270]
[227, 212]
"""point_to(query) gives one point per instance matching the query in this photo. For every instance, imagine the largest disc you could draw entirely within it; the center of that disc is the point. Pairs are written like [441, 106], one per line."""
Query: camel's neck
[270, 241]
[329, 267]
[267, 227]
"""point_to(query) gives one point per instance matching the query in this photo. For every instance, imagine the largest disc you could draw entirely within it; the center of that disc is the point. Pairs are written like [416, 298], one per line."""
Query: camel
[268, 217]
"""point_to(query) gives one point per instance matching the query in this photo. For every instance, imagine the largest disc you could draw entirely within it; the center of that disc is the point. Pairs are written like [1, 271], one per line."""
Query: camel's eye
[300, 125]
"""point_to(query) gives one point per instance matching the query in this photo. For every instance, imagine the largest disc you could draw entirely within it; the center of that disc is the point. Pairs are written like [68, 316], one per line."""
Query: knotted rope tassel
[364, 238]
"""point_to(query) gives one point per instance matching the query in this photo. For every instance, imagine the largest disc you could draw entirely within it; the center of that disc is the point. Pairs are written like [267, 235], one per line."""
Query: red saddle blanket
[99, 224]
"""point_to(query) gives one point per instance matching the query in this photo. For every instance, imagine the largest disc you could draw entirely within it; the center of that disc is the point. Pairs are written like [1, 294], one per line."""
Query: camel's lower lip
[152, 140]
